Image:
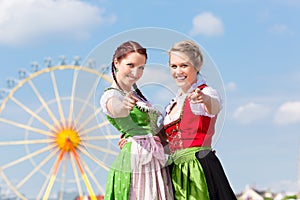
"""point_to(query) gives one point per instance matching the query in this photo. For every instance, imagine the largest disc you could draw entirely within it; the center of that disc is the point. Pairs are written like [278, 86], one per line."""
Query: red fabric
[190, 130]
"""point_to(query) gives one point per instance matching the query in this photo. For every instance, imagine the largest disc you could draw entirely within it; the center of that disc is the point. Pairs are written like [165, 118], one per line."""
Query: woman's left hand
[122, 142]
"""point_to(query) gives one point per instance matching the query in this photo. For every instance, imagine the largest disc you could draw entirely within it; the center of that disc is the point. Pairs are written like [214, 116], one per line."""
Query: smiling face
[182, 70]
[130, 69]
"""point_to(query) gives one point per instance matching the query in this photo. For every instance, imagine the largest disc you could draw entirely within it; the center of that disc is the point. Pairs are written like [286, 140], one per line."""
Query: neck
[185, 89]
[123, 88]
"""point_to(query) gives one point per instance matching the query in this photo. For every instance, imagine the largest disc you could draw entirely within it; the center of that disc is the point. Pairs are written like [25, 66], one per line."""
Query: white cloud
[26, 21]
[250, 113]
[281, 29]
[231, 86]
[207, 24]
[289, 186]
[264, 16]
[288, 113]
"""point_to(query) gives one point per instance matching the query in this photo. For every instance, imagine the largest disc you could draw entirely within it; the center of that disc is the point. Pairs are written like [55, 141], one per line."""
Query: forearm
[212, 105]
[117, 109]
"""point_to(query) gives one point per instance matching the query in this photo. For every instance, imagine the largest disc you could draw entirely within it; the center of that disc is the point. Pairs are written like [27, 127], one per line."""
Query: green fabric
[187, 175]
[136, 123]
[119, 177]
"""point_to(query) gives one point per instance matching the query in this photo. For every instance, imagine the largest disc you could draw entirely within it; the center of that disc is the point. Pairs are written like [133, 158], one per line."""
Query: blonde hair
[191, 50]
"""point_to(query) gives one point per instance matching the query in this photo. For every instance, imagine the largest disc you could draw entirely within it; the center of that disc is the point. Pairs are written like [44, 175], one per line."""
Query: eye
[131, 65]
[184, 65]
[142, 67]
[173, 66]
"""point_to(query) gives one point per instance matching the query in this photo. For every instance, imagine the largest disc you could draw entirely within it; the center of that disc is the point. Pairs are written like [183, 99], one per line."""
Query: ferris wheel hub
[66, 138]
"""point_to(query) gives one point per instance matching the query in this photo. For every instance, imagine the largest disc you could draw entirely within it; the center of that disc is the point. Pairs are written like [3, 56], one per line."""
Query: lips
[180, 78]
[131, 78]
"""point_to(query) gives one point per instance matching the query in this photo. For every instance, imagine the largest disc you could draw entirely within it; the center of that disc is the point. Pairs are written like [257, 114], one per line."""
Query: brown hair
[121, 52]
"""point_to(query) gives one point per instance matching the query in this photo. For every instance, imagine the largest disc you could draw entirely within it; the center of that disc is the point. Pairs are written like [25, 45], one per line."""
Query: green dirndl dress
[120, 184]
[187, 175]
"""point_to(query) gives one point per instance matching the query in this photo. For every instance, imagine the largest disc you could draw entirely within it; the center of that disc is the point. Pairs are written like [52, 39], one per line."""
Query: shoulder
[107, 94]
[112, 92]
[210, 91]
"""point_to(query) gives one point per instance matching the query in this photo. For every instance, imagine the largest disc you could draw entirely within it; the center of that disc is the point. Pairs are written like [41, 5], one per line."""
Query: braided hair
[121, 52]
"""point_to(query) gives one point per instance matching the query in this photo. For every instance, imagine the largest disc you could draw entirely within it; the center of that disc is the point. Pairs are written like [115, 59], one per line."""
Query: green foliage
[290, 197]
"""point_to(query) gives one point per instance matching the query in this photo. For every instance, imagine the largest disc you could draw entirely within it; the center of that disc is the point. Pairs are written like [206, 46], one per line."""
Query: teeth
[131, 78]
[180, 77]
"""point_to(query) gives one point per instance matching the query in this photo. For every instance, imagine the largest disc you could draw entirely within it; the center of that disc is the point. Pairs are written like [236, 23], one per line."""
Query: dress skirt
[140, 172]
[216, 180]
[197, 174]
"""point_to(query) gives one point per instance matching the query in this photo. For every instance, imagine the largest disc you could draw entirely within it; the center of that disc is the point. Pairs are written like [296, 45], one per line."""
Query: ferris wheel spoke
[63, 179]
[85, 152]
[89, 119]
[76, 176]
[28, 156]
[39, 196]
[57, 96]
[83, 174]
[100, 137]
[54, 174]
[11, 185]
[84, 132]
[93, 177]
[38, 167]
[71, 109]
[45, 105]
[24, 142]
[100, 75]
[115, 153]
[87, 101]
[26, 127]
[33, 114]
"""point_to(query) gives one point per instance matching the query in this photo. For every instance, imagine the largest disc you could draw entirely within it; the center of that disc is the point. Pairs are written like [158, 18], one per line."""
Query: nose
[134, 71]
[178, 70]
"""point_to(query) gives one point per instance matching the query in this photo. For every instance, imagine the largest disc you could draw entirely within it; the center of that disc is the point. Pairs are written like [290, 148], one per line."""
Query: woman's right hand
[122, 142]
[129, 100]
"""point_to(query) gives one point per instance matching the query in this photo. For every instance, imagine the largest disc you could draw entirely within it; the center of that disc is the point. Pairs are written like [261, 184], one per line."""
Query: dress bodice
[190, 129]
[142, 120]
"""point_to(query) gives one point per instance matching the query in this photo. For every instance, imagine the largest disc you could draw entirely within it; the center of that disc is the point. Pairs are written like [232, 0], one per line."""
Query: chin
[180, 84]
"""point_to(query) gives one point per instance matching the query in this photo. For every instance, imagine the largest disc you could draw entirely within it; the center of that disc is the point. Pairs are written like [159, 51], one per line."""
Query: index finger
[198, 91]
[132, 96]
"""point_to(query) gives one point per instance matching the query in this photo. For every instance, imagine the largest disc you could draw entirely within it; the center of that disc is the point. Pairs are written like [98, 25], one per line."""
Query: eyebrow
[183, 63]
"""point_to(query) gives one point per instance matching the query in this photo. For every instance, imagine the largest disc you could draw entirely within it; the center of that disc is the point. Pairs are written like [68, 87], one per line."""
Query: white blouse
[107, 95]
[146, 106]
[197, 108]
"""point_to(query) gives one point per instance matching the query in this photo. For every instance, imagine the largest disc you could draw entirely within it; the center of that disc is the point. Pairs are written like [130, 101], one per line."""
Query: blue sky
[254, 44]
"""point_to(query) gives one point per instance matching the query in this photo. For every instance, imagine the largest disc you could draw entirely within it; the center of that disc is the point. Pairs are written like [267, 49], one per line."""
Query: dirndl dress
[140, 170]
[196, 172]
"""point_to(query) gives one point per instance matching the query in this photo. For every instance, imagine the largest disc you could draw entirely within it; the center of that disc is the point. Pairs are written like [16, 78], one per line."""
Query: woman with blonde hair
[189, 123]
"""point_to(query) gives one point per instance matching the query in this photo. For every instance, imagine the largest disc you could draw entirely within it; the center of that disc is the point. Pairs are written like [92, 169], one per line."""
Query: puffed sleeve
[106, 96]
[199, 108]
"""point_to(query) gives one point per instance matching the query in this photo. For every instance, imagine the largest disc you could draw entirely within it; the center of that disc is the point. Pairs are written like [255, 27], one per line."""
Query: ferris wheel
[53, 136]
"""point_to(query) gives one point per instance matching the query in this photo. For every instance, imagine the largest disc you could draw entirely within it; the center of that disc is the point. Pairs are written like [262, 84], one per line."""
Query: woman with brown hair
[139, 172]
